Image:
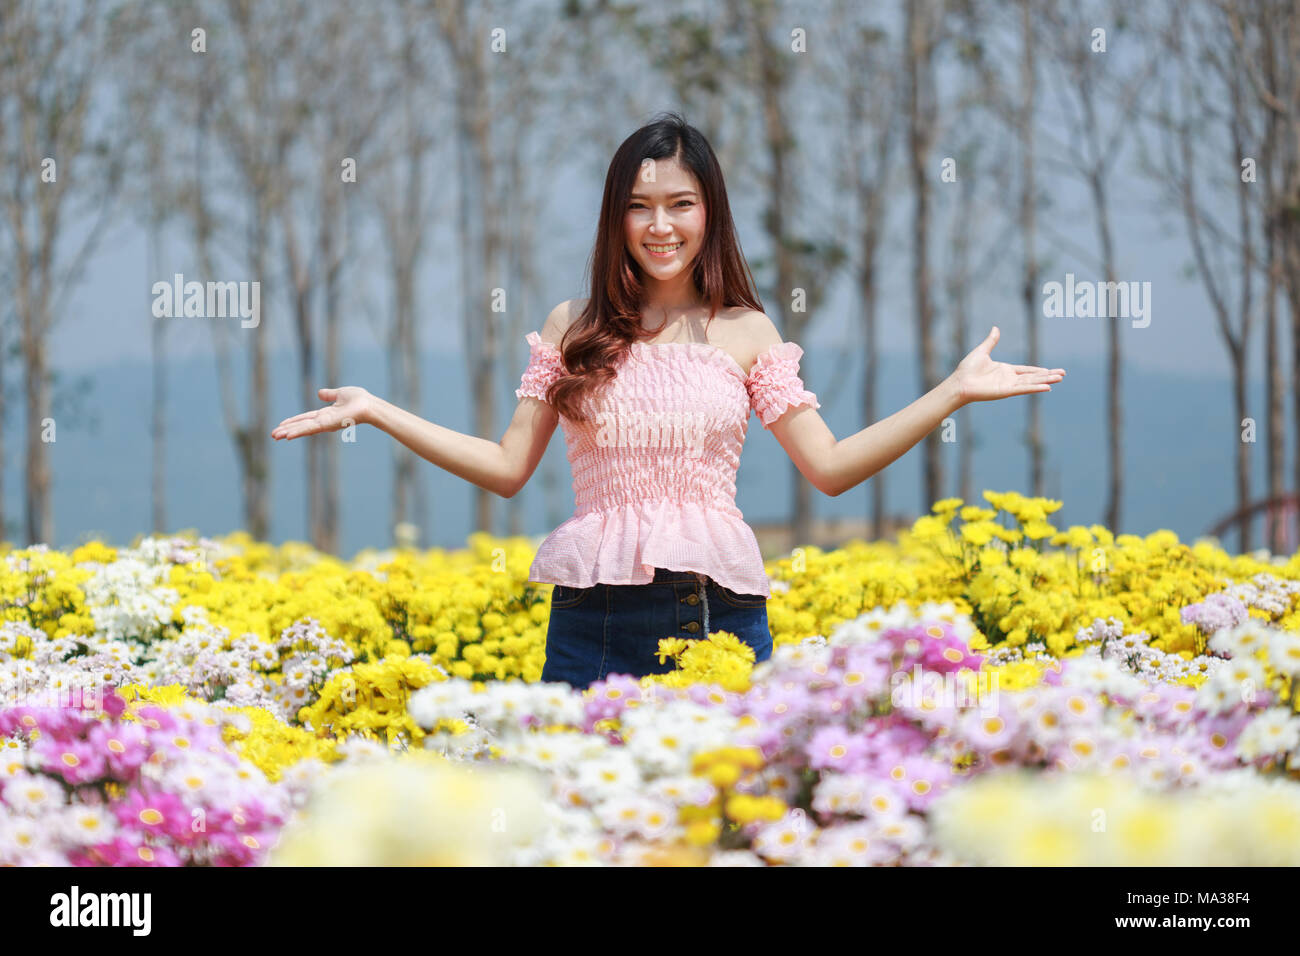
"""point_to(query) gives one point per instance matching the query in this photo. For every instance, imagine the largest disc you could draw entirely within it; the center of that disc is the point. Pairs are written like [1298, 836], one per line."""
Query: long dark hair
[599, 339]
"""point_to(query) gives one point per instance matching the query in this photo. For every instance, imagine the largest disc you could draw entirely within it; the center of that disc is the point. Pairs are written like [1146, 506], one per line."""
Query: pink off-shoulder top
[654, 470]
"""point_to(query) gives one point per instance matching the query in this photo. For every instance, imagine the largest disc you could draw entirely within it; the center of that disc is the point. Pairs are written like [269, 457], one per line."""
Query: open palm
[351, 403]
[981, 379]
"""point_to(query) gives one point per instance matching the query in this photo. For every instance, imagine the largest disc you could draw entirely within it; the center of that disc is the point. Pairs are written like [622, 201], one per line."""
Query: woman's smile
[664, 251]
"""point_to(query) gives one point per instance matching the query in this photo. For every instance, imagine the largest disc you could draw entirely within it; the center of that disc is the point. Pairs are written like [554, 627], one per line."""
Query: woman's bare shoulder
[561, 317]
[749, 333]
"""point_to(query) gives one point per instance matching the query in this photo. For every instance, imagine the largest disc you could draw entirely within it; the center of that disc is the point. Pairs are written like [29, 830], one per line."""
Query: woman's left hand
[980, 379]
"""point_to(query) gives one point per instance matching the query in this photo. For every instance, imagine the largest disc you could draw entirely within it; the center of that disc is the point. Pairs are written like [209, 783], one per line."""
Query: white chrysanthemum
[735, 858]
[21, 840]
[32, 795]
[682, 790]
[663, 738]
[83, 825]
[1189, 770]
[1245, 670]
[802, 654]
[1047, 720]
[559, 752]
[1284, 652]
[662, 750]
[1101, 675]
[868, 627]
[583, 850]
[850, 844]
[1221, 692]
[841, 793]
[552, 705]
[1271, 732]
[503, 704]
[441, 699]
[904, 832]
[987, 731]
[297, 676]
[1241, 640]
[1156, 773]
[630, 815]
[614, 772]
[785, 840]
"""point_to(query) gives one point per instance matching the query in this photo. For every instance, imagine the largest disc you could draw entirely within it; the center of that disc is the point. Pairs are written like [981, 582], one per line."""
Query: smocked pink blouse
[654, 470]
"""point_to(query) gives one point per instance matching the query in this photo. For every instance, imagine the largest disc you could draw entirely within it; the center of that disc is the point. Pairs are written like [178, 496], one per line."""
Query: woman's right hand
[352, 405]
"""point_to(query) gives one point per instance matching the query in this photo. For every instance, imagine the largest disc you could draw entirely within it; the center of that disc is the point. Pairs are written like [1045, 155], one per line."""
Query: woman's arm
[502, 467]
[833, 466]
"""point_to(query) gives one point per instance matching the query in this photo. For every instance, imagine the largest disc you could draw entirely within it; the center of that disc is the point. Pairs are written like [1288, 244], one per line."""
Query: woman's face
[665, 212]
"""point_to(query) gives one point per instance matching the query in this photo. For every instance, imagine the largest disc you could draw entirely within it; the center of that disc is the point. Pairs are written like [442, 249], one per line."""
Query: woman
[653, 378]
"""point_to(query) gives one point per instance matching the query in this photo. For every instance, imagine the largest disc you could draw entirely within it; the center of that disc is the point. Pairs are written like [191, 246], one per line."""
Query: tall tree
[1025, 118]
[1098, 86]
[333, 150]
[59, 168]
[479, 59]
[1266, 35]
[802, 263]
[246, 118]
[858, 71]
[921, 36]
[1206, 137]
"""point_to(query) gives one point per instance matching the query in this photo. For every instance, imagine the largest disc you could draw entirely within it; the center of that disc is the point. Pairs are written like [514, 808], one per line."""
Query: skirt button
[692, 598]
[693, 626]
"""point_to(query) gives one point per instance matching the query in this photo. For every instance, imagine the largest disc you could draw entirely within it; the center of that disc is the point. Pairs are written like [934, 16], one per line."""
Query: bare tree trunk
[40, 507]
[158, 425]
[1239, 350]
[250, 442]
[47, 78]
[333, 244]
[780, 147]
[771, 79]
[523, 292]
[4, 448]
[1195, 48]
[1276, 445]
[869, 292]
[918, 67]
[300, 294]
[1028, 235]
[959, 283]
[1093, 150]
[256, 123]
[1114, 379]
[477, 207]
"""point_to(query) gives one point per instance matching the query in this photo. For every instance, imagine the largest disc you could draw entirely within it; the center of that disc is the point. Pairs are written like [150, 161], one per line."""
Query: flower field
[988, 690]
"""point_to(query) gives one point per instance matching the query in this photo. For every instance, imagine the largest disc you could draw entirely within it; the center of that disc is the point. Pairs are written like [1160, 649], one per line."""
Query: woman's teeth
[663, 250]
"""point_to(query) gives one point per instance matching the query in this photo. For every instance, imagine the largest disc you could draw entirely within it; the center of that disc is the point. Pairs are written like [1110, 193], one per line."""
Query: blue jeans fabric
[616, 628]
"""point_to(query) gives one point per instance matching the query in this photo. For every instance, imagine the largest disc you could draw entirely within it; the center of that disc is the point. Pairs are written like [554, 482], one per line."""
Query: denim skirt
[616, 628]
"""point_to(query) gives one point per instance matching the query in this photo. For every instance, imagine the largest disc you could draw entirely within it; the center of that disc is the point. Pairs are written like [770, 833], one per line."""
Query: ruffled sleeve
[544, 367]
[774, 384]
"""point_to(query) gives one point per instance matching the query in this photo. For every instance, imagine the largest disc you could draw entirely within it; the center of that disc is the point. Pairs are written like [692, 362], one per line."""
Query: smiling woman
[666, 233]
[653, 378]
[657, 547]
[666, 263]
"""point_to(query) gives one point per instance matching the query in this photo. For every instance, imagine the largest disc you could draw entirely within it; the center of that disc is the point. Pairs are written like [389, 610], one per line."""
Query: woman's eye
[637, 205]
